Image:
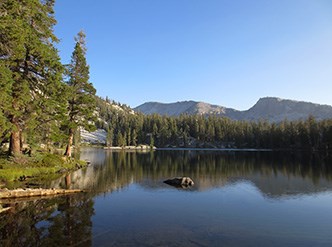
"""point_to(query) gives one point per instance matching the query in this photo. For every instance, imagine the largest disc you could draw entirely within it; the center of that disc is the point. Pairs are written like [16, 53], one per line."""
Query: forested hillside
[125, 128]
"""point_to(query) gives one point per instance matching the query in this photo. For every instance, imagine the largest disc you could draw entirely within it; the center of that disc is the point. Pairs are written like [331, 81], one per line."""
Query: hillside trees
[30, 68]
[80, 93]
[214, 131]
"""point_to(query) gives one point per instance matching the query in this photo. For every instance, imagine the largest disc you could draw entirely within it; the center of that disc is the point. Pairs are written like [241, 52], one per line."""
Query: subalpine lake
[240, 198]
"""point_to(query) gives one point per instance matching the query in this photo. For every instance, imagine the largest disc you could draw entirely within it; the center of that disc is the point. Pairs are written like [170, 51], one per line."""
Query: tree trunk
[21, 140]
[15, 140]
[68, 181]
[14, 145]
[70, 143]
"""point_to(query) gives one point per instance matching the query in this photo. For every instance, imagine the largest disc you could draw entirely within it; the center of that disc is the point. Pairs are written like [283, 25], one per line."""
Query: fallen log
[17, 193]
[2, 210]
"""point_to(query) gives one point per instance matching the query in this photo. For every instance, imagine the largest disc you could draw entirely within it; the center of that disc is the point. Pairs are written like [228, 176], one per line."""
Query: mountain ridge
[273, 109]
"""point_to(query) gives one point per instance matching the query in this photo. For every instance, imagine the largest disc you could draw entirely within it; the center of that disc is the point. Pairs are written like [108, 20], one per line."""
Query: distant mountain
[276, 110]
[187, 107]
[268, 108]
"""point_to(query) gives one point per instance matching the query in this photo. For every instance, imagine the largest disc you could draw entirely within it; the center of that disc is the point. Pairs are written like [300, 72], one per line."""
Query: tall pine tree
[81, 99]
[30, 67]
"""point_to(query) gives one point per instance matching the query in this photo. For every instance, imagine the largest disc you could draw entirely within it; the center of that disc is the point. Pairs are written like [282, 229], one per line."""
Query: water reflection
[59, 221]
[233, 186]
[275, 174]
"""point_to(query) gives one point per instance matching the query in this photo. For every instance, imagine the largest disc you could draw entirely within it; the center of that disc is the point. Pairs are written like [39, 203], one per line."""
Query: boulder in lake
[180, 182]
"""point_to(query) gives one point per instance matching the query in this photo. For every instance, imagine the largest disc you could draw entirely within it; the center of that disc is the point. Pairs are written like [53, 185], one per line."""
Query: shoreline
[20, 193]
[140, 147]
[9, 197]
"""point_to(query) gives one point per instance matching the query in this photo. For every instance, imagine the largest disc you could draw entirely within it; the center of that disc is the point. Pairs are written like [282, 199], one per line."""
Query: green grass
[41, 166]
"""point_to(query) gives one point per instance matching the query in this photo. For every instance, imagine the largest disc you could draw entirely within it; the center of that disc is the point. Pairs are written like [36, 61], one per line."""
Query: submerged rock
[183, 182]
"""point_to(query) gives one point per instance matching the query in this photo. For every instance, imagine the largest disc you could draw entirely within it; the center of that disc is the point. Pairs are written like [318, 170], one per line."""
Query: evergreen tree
[151, 141]
[134, 137]
[110, 136]
[30, 67]
[81, 100]
[120, 140]
[5, 77]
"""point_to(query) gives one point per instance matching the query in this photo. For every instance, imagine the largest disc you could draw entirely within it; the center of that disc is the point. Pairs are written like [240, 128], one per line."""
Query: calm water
[239, 199]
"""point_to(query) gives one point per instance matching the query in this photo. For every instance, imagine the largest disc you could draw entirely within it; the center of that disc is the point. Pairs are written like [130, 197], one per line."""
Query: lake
[240, 198]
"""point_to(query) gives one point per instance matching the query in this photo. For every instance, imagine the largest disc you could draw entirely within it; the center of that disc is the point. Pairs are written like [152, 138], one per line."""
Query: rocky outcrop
[96, 137]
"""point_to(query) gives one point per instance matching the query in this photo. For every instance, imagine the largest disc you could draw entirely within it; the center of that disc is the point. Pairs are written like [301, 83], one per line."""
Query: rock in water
[180, 182]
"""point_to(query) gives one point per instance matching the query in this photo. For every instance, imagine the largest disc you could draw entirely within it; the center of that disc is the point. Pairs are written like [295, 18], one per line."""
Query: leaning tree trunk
[70, 143]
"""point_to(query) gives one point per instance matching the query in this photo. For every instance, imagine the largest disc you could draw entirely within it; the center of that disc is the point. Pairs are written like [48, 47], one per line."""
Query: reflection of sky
[237, 214]
[97, 155]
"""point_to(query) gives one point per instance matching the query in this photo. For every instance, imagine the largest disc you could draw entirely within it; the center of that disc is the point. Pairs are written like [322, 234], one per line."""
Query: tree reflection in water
[114, 170]
[67, 220]
[59, 221]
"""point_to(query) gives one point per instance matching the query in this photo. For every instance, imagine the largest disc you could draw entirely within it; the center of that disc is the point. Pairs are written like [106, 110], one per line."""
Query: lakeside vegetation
[31, 171]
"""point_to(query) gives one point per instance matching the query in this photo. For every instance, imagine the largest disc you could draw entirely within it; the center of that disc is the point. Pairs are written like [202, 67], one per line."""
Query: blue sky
[225, 52]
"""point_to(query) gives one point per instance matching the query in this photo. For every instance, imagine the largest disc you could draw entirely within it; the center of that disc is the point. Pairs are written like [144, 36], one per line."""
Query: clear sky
[225, 52]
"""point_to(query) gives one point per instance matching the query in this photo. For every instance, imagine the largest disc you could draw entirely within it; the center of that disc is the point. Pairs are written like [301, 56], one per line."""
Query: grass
[41, 166]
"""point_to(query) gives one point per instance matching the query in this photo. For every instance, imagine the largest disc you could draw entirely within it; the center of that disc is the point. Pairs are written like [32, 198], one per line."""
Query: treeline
[126, 128]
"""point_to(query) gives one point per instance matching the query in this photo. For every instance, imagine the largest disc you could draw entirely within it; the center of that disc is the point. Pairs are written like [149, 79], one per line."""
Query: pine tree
[5, 77]
[134, 137]
[81, 100]
[30, 67]
[110, 136]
